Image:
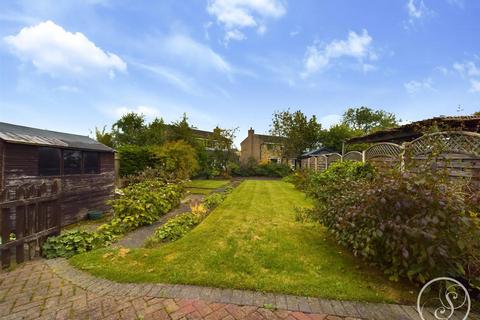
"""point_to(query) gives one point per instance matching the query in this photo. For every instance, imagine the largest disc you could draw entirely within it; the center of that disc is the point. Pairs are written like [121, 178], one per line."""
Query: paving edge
[354, 309]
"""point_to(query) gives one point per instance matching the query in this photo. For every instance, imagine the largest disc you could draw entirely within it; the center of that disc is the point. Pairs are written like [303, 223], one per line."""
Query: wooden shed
[83, 167]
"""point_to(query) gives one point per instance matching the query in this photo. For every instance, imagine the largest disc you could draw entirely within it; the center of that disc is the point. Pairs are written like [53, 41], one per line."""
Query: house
[83, 167]
[261, 148]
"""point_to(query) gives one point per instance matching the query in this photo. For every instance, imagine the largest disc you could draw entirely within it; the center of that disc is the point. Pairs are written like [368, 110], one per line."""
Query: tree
[300, 133]
[367, 120]
[156, 132]
[129, 129]
[104, 137]
[181, 130]
[334, 137]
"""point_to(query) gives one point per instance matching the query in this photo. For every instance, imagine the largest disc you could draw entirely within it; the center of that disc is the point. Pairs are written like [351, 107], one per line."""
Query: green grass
[207, 184]
[251, 241]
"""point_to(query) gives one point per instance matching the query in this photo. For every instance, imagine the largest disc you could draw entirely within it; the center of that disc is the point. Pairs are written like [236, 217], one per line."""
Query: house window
[48, 161]
[274, 160]
[91, 163]
[72, 162]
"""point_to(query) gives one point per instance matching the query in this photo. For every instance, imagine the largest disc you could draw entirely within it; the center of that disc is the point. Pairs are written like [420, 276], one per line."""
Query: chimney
[251, 132]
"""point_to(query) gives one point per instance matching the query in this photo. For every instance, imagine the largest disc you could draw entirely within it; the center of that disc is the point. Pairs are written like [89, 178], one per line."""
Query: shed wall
[80, 192]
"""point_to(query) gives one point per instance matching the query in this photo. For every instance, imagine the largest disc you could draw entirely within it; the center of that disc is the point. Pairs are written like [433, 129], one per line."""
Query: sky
[74, 65]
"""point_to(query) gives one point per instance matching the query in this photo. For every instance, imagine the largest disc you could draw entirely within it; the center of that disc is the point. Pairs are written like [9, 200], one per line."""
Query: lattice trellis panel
[446, 142]
[333, 157]
[383, 150]
[321, 163]
[353, 156]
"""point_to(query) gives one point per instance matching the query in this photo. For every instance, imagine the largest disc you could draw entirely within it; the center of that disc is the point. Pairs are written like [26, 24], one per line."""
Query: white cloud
[66, 88]
[468, 68]
[413, 87]
[195, 54]
[358, 46]
[330, 120]
[475, 85]
[416, 9]
[149, 112]
[238, 14]
[53, 50]
[234, 34]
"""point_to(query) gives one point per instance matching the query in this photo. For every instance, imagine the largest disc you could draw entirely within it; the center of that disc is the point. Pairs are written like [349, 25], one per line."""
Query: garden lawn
[252, 241]
[205, 186]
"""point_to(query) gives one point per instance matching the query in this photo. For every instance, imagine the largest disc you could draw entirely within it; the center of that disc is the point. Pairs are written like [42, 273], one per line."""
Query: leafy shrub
[414, 225]
[141, 204]
[305, 214]
[73, 242]
[177, 158]
[135, 159]
[213, 200]
[299, 178]
[175, 228]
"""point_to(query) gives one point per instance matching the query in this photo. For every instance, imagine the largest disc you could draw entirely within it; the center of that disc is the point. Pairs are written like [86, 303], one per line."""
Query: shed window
[91, 163]
[72, 162]
[48, 161]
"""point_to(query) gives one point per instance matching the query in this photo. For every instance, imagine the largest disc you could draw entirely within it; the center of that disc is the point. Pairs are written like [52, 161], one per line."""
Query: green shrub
[135, 159]
[413, 225]
[177, 158]
[141, 204]
[73, 242]
[177, 227]
[213, 200]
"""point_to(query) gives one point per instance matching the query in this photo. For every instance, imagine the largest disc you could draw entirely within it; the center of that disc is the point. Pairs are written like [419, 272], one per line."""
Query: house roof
[25, 135]
[411, 131]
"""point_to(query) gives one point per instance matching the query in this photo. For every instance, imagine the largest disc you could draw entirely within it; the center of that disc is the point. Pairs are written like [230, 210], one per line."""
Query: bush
[413, 225]
[177, 158]
[135, 159]
[141, 204]
[213, 200]
[73, 242]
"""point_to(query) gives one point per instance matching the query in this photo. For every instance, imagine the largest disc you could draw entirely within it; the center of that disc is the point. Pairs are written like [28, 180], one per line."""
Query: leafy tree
[104, 137]
[300, 133]
[476, 113]
[367, 120]
[156, 132]
[181, 130]
[129, 129]
[178, 158]
[334, 137]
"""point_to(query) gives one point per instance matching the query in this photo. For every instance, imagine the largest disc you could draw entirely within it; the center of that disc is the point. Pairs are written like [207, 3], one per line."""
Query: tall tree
[181, 130]
[104, 137]
[367, 120]
[300, 132]
[156, 132]
[129, 129]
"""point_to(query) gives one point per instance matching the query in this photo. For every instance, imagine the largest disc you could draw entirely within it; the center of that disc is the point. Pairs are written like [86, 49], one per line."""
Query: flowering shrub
[415, 225]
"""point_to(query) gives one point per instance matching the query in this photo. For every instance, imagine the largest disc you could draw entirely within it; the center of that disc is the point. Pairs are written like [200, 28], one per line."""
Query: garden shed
[82, 168]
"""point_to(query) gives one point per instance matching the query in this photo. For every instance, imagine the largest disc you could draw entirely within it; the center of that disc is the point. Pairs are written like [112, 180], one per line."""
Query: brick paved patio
[52, 289]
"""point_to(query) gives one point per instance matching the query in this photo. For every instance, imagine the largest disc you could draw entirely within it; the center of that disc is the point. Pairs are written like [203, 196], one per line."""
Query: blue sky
[76, 65]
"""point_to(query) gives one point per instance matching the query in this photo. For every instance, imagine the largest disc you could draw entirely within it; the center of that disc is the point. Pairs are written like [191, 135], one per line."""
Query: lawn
[205, 186]
[252, 241]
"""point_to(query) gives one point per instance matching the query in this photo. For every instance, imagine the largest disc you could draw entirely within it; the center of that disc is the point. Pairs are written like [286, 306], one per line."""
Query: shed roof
[411, 131]
[25, 135]
[316, 152]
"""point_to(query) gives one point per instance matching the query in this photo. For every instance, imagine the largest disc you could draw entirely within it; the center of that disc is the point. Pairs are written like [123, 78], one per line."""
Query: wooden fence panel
[28, 215]
[353, 156]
